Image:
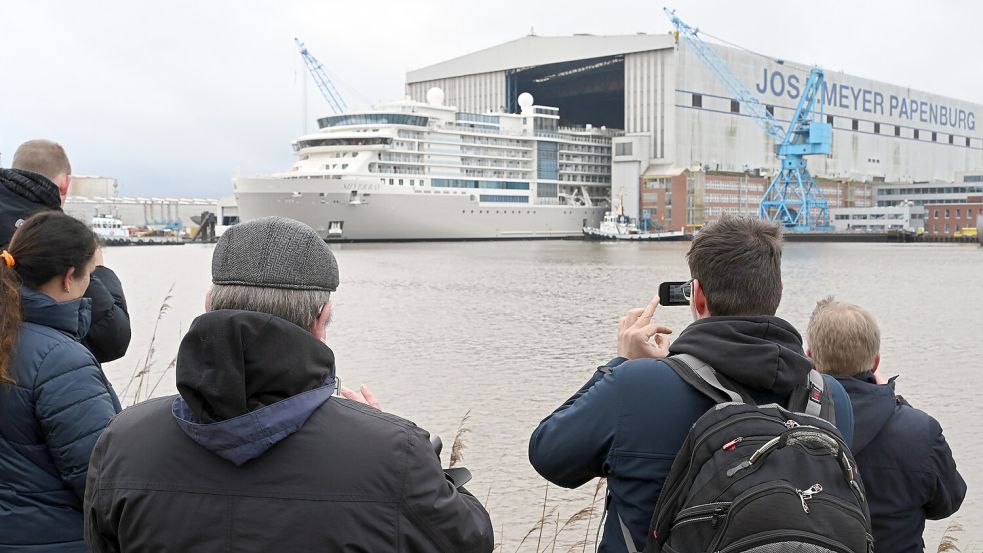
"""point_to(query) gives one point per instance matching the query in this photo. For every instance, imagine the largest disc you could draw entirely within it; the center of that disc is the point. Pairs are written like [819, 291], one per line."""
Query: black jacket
[628, 424]
[906, 464]
[256, 454]
[22, 194]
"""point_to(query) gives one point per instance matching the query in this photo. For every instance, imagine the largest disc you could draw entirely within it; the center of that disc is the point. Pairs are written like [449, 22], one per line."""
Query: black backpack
[762, 479]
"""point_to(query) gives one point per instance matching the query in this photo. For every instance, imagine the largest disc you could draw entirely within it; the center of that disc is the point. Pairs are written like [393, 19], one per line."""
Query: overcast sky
[175, 98]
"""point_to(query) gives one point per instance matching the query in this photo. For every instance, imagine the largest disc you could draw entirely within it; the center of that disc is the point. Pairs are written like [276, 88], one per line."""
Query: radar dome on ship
[525, 101]
[435, 96]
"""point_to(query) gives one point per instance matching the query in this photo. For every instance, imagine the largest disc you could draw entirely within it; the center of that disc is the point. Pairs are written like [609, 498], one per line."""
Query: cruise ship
[425, 171]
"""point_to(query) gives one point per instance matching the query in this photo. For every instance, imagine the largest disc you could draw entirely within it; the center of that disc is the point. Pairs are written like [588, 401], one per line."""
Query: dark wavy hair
[44, 247]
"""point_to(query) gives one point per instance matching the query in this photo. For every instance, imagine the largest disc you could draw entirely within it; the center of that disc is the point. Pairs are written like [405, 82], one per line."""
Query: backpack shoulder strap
[701, 376]
[813, 398]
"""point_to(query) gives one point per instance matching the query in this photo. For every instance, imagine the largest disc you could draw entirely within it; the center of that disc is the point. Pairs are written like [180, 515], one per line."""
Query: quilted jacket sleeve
[109, 335]
[73, 404]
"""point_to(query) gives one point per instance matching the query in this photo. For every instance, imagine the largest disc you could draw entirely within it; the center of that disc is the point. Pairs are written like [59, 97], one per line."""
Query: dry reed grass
[141, 372]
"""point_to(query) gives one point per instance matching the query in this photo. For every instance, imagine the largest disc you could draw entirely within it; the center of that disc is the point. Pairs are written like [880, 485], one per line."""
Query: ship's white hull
[376, 212]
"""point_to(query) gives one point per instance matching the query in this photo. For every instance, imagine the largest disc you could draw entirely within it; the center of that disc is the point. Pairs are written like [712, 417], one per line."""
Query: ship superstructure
[426, 171]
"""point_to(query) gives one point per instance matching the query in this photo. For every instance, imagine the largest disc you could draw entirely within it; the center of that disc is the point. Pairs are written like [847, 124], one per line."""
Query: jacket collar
[248, 436]
[71, 317]
[31, 186]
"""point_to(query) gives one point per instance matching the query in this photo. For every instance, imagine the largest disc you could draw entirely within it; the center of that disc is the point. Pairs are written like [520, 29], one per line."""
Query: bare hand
[636, 331]
[363, 395]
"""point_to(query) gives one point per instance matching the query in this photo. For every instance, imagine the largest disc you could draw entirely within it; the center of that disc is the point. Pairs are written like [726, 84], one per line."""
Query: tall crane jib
[324, 84]
[792, 199]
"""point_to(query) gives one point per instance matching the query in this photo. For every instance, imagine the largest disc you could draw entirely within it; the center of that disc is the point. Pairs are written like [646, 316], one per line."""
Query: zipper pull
[732, 445]
[805, 495]
[791, 424]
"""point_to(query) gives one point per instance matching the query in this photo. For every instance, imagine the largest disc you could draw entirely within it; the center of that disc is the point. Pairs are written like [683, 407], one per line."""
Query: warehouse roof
[535, 50]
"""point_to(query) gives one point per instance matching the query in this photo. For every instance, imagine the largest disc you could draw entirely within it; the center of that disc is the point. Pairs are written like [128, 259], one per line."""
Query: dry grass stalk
[540, 523]
[949, 541]
[574, 518]
[457, 449]
[140, 374]
[593, 503]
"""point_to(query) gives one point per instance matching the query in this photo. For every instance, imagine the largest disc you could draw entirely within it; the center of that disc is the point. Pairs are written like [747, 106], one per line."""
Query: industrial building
[690, 153]
[90, 196]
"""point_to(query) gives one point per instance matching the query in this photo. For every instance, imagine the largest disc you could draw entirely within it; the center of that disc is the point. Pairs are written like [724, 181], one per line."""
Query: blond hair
[43, 157]
[844, 338]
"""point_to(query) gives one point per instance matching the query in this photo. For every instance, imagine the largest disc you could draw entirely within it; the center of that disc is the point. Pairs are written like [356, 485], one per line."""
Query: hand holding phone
[636, 331]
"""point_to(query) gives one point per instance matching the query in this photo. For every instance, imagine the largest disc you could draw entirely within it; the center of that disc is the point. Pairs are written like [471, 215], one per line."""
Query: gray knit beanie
[274, 252]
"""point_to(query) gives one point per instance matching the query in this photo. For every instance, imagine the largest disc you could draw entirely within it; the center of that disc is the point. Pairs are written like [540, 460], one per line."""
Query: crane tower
[792, 199]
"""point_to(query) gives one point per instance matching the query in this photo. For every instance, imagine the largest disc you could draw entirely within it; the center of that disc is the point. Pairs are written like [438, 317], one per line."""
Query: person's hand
[363, 395]
[98, 257]
[635, 333]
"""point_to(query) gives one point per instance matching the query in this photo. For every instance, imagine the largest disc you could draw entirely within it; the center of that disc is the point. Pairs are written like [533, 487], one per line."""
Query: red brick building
[943, 220]
[697, 198]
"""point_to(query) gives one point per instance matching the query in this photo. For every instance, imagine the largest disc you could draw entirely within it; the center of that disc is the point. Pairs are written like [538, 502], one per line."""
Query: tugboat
[110, 230]
[620, 227]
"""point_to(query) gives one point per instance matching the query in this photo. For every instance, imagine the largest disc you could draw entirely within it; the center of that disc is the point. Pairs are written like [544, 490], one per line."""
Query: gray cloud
[176, 98]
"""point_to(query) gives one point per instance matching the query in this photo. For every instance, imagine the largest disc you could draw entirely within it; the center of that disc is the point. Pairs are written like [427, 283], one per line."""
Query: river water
[506, 331]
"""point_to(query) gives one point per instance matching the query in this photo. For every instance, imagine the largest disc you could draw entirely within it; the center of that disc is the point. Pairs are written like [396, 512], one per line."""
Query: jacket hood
[763, 353]
[248, 380]
[31, 186]
[873, 405]
[71, 317]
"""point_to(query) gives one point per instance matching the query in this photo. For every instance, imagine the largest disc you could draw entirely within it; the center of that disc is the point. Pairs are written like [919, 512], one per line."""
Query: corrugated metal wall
[648, 86]
[478, 93]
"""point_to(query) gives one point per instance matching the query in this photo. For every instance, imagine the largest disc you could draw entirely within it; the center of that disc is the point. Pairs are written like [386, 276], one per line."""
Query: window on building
[855, 125]
[947, 214]
[947, 228]
[770, 110]
[969, 212]
[935, 228]
[916, 134]
[934, 136]
[897, 130]
[967, 142]
[401, 182]
[622, 149]
[829, 120]
[951, 139]
[697, 100]
[958, 214]
[936, 214]
[877, 128]
[735, 106]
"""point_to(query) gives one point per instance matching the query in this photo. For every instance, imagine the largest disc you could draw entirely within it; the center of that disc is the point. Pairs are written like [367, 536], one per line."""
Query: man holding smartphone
[629, 420]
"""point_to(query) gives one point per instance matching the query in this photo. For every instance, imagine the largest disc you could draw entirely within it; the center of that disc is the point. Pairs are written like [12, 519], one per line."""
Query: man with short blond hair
[38, 180]
[907, 467]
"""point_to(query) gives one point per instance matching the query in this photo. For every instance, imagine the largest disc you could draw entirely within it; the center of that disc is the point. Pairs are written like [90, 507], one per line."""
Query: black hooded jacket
[256, 454]
[906, 464]
[628, 424]
[22, 194]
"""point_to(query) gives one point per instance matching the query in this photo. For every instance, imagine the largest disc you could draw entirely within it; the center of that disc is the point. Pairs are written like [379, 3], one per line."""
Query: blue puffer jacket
[49, 422]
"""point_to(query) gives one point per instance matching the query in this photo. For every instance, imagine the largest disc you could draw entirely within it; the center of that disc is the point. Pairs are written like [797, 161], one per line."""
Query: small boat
[110, 230]
[619, 227]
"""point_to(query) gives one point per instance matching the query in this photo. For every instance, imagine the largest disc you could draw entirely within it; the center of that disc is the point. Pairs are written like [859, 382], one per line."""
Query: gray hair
[300, 307]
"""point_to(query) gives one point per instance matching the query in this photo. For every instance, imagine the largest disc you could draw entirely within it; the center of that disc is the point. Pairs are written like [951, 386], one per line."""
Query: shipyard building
[690, 153]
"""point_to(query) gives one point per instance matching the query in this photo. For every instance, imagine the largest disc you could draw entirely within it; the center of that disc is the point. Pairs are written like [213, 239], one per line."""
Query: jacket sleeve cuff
[606, 368]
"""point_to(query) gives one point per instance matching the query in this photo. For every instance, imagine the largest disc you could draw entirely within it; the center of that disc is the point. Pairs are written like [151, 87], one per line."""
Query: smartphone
[671, 293]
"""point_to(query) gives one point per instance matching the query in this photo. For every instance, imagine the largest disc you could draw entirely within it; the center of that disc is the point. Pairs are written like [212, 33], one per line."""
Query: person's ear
[67, 279]
[877, 362]
[63, 182]
[320, 324]
[700, 308]
[809, 353]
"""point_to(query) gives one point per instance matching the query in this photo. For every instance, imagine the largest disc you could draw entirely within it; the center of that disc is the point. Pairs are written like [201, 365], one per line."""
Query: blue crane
[792, 199]
[324, 84]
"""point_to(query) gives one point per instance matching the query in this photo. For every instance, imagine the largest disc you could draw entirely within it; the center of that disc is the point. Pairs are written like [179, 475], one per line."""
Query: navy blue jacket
[22, 194]
[906, 464]
[49, 423]
[628, 425]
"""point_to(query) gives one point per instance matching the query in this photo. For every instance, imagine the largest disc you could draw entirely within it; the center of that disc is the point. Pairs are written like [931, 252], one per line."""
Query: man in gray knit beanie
[256, 453]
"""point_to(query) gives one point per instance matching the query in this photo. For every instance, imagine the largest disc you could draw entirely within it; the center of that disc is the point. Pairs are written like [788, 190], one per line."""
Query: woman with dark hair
[54, 398]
